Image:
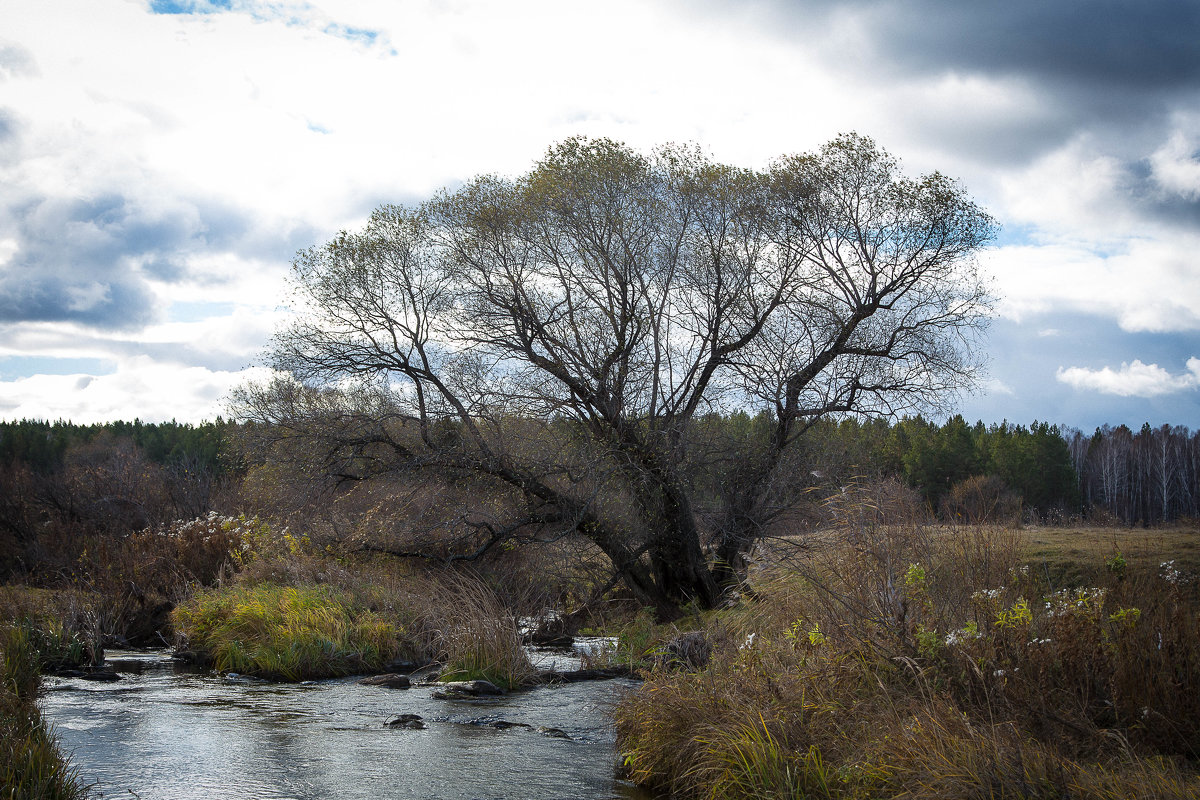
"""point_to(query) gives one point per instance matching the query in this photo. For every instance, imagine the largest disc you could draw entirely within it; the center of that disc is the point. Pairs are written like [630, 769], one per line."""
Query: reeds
[479, 637]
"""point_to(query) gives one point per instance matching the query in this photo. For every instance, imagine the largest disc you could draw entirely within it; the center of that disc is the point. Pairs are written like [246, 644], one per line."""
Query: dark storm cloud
[1105, 43]
[1139, 183]
[1118, 76]
[1116, 69]
[1143, 45]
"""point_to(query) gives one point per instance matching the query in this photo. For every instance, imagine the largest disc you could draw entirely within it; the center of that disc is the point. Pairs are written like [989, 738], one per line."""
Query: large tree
[560, 336]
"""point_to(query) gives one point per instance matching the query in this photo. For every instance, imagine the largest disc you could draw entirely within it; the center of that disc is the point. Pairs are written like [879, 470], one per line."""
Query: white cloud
[1132, 379]
[236, 137]
[995, 386]
[142, 388]
[1076, 190]
[1176, 165]
[1146, 284]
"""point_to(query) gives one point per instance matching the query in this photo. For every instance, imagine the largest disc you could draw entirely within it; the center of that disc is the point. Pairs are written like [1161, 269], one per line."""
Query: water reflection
[162, 732]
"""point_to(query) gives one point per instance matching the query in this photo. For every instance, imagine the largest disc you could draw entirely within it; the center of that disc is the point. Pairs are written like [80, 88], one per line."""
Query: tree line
[59, 480]
[1047, 472]
[61, 483]
[1145, 478]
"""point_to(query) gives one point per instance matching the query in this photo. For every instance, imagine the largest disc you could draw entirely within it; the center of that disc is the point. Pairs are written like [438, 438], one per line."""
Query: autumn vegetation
[901, 658]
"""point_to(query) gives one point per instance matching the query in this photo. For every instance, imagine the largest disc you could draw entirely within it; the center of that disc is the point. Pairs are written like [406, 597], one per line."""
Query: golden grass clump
[479, 637]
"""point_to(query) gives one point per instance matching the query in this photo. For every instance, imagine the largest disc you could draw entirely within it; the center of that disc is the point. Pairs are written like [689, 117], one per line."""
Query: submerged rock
[503, 725]
[498, 724]
[458, 690]
[389, 680]
[597, 674]
[197, 658]
[409, 721]
[237, 677]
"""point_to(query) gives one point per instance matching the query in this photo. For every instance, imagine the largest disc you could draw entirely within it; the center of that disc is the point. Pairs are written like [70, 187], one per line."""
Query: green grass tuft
[290, 633]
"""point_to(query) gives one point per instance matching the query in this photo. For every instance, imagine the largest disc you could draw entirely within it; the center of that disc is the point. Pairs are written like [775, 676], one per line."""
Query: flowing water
[165, 732]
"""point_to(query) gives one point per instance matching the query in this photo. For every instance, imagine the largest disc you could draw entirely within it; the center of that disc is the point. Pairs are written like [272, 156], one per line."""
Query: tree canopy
[561, 333]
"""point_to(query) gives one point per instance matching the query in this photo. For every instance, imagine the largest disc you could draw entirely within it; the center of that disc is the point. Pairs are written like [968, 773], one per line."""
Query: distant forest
[65, 480]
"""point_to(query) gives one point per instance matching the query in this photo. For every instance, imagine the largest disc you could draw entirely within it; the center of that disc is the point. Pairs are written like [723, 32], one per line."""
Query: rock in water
[458, 690]
[390, 680]
[409, 721]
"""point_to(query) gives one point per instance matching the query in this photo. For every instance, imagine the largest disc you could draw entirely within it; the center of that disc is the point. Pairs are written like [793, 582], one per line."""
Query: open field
[1069, 551]
[1067, 554]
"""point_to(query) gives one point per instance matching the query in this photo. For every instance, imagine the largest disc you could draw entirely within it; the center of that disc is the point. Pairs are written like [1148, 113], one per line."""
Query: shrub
[981, 499]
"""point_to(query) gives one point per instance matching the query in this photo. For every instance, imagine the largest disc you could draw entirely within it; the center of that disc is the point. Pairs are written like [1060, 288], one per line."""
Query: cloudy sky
[162, 160]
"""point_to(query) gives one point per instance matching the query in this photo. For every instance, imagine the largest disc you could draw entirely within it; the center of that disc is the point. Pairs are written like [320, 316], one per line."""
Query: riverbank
[31, 764]
[867, 660]
[924, 662]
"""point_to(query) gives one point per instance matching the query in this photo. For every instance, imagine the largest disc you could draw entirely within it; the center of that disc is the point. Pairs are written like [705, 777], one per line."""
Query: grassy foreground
[910, 661]
[31, 765]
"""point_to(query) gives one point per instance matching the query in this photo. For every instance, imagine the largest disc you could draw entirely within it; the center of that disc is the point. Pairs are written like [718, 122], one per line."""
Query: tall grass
[480, 637]
[31, 766]
[903, 660]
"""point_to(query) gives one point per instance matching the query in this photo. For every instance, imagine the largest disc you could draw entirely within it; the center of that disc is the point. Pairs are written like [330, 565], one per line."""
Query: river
[165, 732]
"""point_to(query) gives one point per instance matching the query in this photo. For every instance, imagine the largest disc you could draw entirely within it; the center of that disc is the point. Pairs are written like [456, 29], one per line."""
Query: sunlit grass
[290, 633]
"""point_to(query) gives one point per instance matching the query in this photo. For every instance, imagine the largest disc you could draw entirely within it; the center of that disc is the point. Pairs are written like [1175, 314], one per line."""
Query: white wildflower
[1172, 574]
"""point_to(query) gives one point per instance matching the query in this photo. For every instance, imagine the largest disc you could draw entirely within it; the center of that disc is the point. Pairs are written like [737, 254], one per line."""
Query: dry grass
[480, 637]
[902, 659]
[1074, 554]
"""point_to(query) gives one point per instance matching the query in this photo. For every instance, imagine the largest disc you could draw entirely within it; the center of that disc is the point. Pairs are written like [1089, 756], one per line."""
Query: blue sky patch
[197, 311]
[190, 6]
[352, 34]
[14, 367]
